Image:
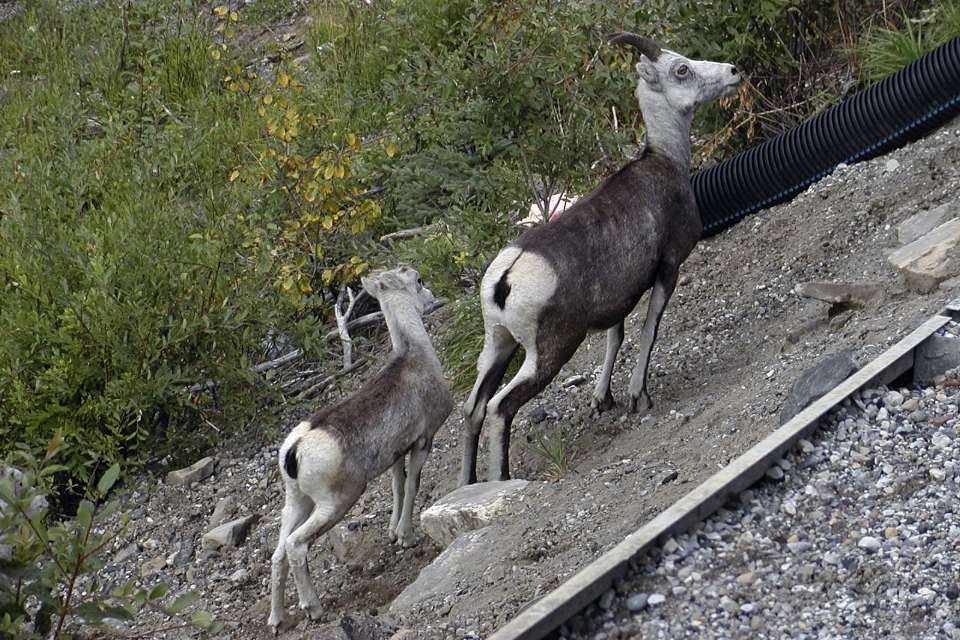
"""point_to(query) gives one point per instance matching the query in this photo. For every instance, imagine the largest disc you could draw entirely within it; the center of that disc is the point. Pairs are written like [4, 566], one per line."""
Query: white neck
[404, 322]
[667, 131]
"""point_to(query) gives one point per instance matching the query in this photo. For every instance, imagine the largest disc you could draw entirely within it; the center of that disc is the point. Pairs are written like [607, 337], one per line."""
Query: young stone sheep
[586, 270]
[327, 460]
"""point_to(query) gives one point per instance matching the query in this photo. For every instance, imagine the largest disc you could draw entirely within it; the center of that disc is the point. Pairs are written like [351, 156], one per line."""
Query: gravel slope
[858, 536]
[734, 338]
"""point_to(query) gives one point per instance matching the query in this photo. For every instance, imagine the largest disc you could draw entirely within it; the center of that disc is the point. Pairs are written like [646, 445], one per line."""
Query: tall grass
[898, 38]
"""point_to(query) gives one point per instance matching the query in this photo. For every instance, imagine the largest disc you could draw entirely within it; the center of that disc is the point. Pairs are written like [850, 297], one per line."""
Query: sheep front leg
[399, 480]
[602, 396]
[662, 290]
[404, 529]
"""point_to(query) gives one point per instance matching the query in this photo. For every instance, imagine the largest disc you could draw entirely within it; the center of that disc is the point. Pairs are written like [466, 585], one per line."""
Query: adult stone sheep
[587, 270]
[327, 460]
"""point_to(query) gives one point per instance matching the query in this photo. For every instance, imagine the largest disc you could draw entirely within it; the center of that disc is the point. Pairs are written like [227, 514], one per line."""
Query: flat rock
[839, 292]
[920, 224]
[200, 470]
[224, 510]
[230, 534]
[817, 381]
[931, 259]
[468, 508]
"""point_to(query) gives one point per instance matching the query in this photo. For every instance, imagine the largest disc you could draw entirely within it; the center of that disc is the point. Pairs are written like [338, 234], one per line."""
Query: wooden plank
[544, 615]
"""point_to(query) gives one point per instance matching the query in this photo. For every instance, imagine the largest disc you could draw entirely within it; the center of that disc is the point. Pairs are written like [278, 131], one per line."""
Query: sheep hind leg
[296, 509]
[499, 346]
[662, 290]
[534, 375]
[404, 535]
[321, 520]
[602, 396]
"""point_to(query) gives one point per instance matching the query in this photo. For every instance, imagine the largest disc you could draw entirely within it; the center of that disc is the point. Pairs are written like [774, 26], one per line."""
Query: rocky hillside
[750, 316]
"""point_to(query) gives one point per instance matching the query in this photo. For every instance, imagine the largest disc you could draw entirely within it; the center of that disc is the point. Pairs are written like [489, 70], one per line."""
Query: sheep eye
[682, 70]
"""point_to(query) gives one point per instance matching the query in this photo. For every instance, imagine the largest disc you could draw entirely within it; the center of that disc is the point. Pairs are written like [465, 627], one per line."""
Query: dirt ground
[734, 339]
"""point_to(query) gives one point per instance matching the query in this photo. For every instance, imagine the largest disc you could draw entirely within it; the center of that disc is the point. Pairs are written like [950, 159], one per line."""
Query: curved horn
[642, 44]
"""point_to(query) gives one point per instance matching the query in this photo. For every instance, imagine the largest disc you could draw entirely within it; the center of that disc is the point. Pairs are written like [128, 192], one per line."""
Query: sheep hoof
[405, 540]
[279, 624]
[599, 405]
[640, 405]
[314, 610]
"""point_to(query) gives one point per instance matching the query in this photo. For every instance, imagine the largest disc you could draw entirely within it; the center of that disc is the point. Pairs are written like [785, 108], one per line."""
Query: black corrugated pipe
[901, 108]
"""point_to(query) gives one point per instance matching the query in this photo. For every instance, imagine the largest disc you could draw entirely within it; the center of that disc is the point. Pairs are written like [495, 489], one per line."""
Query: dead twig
[343, 329]
[377, 316]
[408, 233]
[323, 384]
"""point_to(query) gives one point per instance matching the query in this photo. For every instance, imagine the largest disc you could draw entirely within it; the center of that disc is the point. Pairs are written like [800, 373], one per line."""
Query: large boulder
[442, 579]
[471, 507]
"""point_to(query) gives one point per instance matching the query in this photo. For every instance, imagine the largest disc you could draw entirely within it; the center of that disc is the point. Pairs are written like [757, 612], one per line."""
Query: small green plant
[557, 453]
[48, 567]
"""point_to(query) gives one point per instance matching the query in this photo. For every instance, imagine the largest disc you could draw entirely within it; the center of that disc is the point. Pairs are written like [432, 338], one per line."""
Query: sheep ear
[648, 72]
[370, 285]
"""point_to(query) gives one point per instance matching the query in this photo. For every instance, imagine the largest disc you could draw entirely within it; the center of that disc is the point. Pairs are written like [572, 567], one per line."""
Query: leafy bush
[168, 208]
[125, 287]
[47, 568]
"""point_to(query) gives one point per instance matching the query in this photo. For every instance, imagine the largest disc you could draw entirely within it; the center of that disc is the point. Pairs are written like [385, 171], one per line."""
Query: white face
[426, 296]
[686, 83]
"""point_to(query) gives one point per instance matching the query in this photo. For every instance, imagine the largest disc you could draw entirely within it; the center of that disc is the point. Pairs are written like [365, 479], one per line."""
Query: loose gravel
[854, 534]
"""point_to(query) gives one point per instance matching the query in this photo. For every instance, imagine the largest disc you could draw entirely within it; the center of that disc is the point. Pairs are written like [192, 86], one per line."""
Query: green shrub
[125, 285]
[168, 207]
[48, 567]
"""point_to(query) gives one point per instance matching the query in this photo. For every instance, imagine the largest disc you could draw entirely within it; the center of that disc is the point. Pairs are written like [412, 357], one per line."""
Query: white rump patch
[319, 455]
[532, 283]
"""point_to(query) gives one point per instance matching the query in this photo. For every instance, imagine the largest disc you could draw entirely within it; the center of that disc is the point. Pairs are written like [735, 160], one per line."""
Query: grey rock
[869, 543]
[655, 599]
[935, 355]
[840, 293]
[931, 259]
[922, 223]
[231, 534]
[197, 472]
[637, 602]
[441, 577]
[344, 539]
[224, 510]
[817, 381]
[126, 553]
